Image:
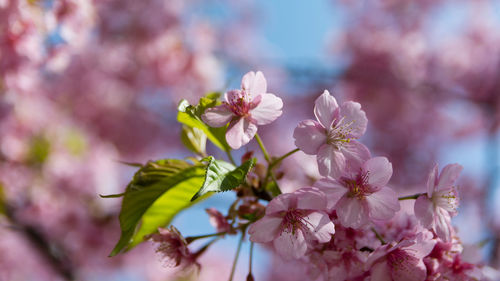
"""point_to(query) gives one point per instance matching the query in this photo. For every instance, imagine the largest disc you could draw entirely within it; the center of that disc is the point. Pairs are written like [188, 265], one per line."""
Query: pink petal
[240, 132]
[448, 199]
[448, 176]
[265, 229]
[432, 181]
[379, 171]
[408, 268]
[354, 117]
[425, 242]
[309, 136]
[331, 162]
[325, 109]
[254, 83]
[291, 245]
[442, 224]
[355, 154]
[351, 212]
[383, 204]
[332, 189]
[321, 227]
[424, 211]
[267, 110]
[380, 272]
[217, 116]
[281, 203]
[310, 198]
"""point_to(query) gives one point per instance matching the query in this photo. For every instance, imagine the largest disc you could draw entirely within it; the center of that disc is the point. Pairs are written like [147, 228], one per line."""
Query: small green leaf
[190, 116]
[194, 139]
[223, 176]
[157, 192]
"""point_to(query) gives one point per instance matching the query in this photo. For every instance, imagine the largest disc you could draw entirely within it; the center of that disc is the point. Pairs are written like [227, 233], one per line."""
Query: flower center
[294, 220]
[239, 102]
[358, 187]
[340, 133]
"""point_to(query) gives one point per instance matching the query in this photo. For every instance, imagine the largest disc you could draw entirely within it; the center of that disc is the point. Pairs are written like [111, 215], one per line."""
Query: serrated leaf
[190, 116]
[157, 192]
[223, 176]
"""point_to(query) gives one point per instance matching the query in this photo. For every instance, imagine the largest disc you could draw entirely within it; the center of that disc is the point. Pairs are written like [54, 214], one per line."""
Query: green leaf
[157, 192]
[190, 116]
[223, 176]
[194, 139]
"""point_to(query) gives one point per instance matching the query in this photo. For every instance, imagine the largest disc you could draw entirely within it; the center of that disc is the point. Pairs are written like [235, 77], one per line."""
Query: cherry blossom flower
[219, 221]
[363, 196]
[435, 209]
[292, 221]
[245, 109]
[402, 261]
[173, 247]
[332, 137]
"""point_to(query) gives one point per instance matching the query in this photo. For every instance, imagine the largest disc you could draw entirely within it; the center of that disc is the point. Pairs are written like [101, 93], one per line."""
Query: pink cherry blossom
[402, 261]
[173, 248]
[245, 109]
[332, 137]
[435, 209]
[292, 221]
[363, 196]
[219, 221]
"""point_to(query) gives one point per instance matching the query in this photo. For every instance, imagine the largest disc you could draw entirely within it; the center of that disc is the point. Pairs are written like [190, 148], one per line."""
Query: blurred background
[85, 84]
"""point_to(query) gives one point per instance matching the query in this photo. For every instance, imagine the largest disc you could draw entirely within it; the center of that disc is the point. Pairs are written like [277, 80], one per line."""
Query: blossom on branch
[361, 197]
[332, 136]
[173, 248]
[294, 220]
[435, 209]
[245, 109]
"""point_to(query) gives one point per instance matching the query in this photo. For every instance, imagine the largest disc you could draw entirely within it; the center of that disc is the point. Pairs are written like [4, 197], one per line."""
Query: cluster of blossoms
[349, 224]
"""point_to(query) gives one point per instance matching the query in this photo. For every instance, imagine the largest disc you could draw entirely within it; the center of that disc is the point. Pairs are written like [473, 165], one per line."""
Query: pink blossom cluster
[349, 224]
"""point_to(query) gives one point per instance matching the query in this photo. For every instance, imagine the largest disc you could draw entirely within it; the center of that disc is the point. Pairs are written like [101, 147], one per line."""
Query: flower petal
[351, 212]
[217, 116]
[309, 136]
[325, 109]
[320, 226]
[281, 203]
[379, 171]
[448, 176]
[432, 180]
[407, 268]
[442, 224]
[254, 83]
[331, 162]
[354, 117]
[424, 211]
[310, 198]
[268, 109]
[380, 272]
[355, 154]
[291, 245]
[240, 132]
[333, 190]
[265, 229]
[383, 204]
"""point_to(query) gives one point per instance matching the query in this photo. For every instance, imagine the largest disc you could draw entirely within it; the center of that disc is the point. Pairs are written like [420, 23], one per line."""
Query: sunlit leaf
[223, 176]
[158, 192]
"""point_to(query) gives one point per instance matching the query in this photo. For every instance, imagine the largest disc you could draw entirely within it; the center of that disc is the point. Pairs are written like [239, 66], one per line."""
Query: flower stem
[233, 268]
[230, 156]
[263, 148]
[250, 275]
[193, 238]
[379, 237]
[409, 197]
[277, 161]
